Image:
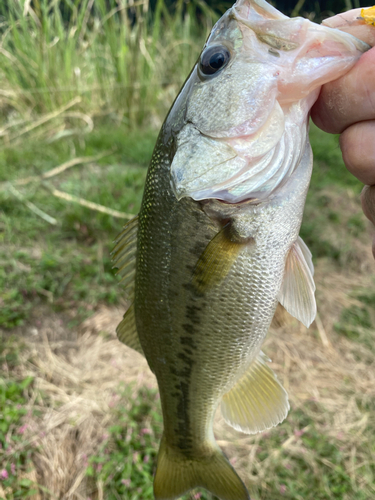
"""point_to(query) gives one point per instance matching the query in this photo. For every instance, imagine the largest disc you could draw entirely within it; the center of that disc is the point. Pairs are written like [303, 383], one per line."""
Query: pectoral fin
[297, 290]
[127, 331]
[307, 254]
[257, 402]
[215, 262]
[124, 256]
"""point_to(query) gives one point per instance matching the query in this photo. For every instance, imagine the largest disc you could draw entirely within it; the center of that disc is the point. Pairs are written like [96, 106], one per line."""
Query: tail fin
[176, 474]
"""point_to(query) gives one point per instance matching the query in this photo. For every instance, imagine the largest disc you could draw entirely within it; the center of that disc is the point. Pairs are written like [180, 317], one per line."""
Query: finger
[348, 100]
[368, 202]
[368, 206]
[351, 22]
[358, 150]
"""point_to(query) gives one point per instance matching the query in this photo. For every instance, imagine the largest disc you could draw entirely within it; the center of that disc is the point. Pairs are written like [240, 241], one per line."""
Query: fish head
[242, 114]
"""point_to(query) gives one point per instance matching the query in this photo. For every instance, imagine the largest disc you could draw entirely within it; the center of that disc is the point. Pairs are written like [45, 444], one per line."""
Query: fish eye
[214, 59]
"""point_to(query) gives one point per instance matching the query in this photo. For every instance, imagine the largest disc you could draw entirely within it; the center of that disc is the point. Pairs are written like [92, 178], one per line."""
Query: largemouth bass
[216, 244]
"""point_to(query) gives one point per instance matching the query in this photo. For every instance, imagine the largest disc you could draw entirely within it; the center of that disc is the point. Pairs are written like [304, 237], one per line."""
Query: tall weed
[115, 55]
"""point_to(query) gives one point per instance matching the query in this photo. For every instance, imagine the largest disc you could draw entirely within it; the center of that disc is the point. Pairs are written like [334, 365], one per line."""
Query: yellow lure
[368, 15]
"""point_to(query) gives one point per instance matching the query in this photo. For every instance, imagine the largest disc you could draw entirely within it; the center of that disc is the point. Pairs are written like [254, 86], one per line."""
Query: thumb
[353, 23]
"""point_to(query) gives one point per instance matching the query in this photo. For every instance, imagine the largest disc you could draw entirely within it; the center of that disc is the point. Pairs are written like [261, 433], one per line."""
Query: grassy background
[89, 83]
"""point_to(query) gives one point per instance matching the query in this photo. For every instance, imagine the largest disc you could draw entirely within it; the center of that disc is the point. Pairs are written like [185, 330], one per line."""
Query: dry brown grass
[79, 373]
[328, 376]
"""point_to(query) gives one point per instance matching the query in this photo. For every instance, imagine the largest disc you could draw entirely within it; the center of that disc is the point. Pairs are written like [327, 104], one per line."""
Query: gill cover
[249, 98]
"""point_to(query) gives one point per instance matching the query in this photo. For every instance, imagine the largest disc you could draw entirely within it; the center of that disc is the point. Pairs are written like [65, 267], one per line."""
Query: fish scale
[216, 244]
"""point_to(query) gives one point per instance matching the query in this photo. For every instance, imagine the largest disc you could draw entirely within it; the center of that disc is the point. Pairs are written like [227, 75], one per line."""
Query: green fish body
[215, 246]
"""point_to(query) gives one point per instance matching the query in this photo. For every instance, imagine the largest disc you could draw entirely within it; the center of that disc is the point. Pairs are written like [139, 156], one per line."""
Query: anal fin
[127, 331]
[257, 402]
[297, 291]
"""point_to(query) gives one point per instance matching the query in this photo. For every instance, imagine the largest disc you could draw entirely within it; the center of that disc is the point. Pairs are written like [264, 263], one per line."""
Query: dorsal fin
[127, 331]
[124, 256]
[297, 290]
[257, 401]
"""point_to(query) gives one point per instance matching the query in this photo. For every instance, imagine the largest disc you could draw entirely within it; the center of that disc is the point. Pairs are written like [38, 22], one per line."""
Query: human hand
[347, 106]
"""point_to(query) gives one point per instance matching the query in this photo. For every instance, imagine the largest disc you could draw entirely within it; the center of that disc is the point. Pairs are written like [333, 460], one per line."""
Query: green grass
[126, 458]
[357, 322]
[315, 469]
[15, 450]
[329, 168]
[328, 227]
[68, 264]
